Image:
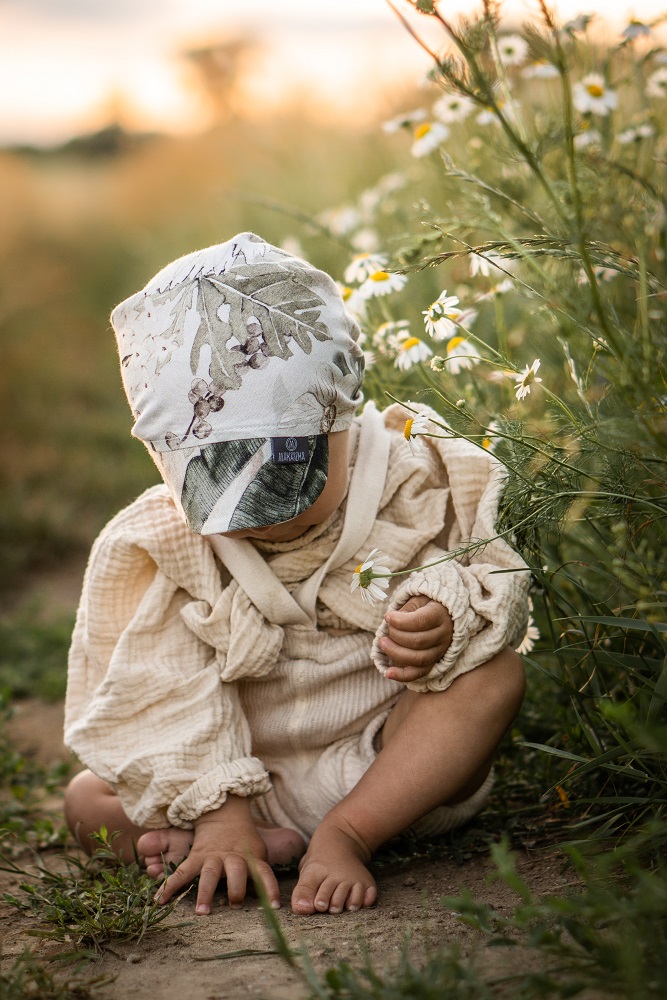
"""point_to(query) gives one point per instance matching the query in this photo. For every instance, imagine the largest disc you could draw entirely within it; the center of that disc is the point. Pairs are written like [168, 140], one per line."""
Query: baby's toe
[340, 896]
[309, 895]
[154, 867]
[153, 843]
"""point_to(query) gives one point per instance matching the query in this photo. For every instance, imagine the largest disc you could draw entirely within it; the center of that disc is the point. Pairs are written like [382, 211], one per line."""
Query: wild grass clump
[524, 301]
[29, 978]
[23, 785]
[91, 903]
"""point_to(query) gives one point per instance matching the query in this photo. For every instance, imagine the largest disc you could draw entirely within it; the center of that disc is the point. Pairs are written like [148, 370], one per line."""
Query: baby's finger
[429, 615]
[236, 871]
[263, 873]
[406, 674]
[402, 656]
[209, 877]
[184, 874]
[429, 639]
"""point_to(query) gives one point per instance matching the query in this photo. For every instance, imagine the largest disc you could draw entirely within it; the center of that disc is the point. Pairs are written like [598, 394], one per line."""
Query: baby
[236, 701]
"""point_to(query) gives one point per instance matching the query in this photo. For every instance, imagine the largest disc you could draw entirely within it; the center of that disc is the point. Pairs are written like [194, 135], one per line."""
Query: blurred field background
[86, 222]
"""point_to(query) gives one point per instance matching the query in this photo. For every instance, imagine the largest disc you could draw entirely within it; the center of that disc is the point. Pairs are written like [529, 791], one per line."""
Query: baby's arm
[418, 635]
[226, 844]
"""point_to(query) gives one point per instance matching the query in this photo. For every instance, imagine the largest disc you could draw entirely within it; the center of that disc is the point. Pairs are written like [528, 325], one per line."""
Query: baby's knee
[82, 797]
[509, 679]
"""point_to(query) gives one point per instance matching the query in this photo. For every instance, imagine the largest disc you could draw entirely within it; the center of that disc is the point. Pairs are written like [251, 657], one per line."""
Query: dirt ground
[181, 959]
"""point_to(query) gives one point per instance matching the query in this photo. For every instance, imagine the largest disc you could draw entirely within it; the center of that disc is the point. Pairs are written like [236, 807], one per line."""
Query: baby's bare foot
[164, 847]
[171, 845]
[333, 874]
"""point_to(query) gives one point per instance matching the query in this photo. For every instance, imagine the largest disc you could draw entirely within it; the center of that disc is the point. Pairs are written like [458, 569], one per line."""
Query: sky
[70, 66]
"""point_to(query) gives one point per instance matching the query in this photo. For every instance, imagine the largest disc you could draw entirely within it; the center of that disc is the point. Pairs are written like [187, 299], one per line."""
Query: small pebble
[133, 958]
[409, 881]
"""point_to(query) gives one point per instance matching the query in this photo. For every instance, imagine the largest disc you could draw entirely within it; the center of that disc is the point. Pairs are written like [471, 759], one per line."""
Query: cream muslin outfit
[202, 665]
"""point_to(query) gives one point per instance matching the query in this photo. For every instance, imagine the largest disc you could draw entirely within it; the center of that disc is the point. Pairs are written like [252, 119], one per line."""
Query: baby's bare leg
[91, 803]
[437, 749]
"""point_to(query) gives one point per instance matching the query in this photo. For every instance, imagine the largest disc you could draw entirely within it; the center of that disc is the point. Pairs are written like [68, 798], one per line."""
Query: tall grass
[537, 194]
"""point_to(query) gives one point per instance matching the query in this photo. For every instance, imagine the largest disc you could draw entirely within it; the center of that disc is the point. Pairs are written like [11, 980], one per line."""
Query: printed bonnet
[237, 361]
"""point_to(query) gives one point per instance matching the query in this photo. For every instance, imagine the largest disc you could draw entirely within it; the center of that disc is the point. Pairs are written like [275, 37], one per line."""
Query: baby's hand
[225, 844]
[418, 636]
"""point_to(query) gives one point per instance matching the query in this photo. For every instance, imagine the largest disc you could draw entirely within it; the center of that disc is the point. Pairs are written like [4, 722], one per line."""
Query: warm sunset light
[73, 66]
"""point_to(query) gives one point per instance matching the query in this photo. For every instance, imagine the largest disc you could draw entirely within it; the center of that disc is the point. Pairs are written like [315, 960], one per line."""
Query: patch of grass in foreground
[610, 932]
[27, 977]
[91, 903]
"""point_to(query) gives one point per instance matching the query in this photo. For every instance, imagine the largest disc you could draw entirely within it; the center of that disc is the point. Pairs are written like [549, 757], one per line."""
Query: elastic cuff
[454, 597]
[245, 776]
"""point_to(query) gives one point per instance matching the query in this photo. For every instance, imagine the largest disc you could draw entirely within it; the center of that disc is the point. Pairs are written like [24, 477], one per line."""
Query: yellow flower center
[410, 342]
[595, 90]
[407, 430]
[454, 343]
[379, 276]
[358, 569]
[422, 130]
[346, 293]
[486, 443]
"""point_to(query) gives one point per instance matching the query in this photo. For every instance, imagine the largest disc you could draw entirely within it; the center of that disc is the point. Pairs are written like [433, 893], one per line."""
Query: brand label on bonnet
[290, 449]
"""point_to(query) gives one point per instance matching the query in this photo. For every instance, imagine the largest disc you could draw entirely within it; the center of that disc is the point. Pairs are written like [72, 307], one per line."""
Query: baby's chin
[285, 532]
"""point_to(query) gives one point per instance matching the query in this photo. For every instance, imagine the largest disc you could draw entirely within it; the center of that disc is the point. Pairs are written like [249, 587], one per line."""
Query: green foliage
[29, 978]
[92, 902]
[33, 654]
[609, 929]
[541, 212]
[23, 785]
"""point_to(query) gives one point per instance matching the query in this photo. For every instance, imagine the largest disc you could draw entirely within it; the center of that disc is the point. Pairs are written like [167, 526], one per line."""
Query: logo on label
[289, 450]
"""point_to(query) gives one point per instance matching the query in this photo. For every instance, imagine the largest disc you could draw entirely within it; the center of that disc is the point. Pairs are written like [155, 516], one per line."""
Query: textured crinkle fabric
[181, 690]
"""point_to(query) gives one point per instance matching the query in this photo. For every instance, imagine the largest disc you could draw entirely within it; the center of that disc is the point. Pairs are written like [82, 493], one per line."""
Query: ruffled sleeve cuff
[245, 776]
[451, 592]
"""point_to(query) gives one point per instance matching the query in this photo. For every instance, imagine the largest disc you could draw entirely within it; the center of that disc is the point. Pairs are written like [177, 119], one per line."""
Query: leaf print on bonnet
[245, 345]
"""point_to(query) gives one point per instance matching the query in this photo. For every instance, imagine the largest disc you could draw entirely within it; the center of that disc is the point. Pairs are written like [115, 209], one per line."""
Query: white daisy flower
[352, 299]
[487, 263]
[577, 24]
[506, 285]
[427, 137]
[656, 85]
[635, 134]
[588, 137]
[452, 108]
[342, 220]
[512, 50]
[525, 379]
[363, 265]
[371, 584]
[592, 95]
[389, 335]
[382, 283]
[461, 354]
[441, 317]
[490, 442]
[411, 350]
[527, 644]
[540, 70]
[404, 120]
[414, 426]
[366, 240]
[636, 29]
